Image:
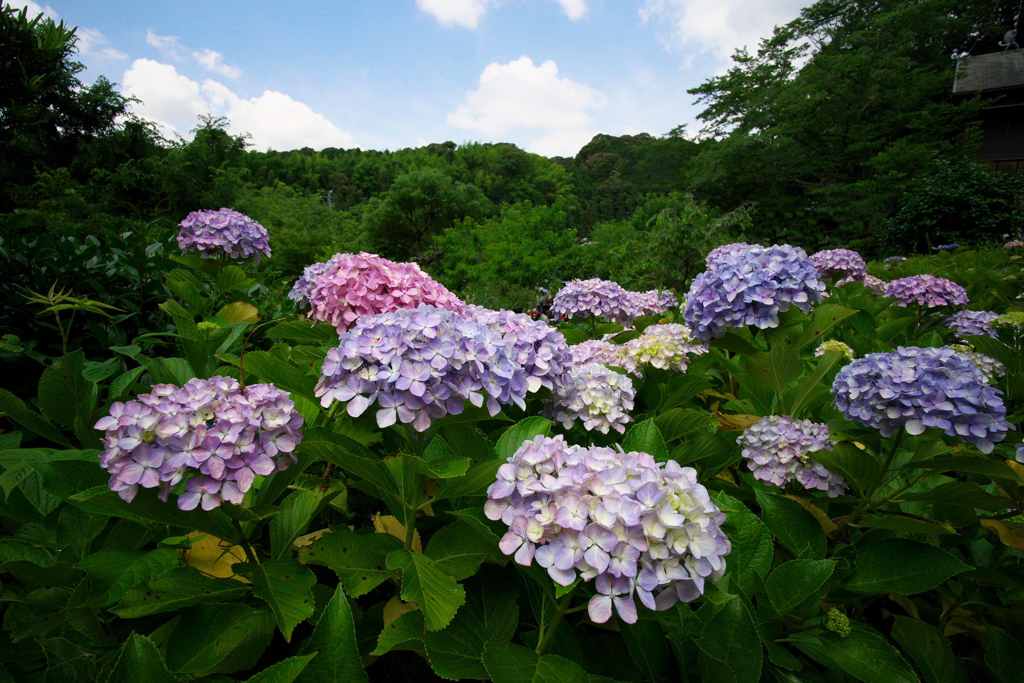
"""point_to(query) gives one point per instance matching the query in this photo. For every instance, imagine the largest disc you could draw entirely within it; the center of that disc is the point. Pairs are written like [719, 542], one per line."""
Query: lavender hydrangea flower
[213, 432]
[926, 290]
[730, 250]
[603, 352]
[972, 323]
[539, 349]
[834, 346]
[1019, 457]
[990, 368]
[635, 527]
[421, 364]
[595, 395]
[875, 284]
[653, 301]
[595, 298]
[666, 347]
[916, 388]
[751, 287]
[302, 288]
[226, 231]
[777, 450]
[845, 265]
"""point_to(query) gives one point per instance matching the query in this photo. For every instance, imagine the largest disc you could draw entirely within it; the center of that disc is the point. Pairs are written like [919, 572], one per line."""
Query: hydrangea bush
[843, 265]
[927, 291]
[223, 232]
[778, 451]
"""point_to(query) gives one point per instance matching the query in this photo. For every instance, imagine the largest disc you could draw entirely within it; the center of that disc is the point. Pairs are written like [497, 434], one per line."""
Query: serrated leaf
[404, 633]
[864, 654]
[795, 528]
[176, 590]
[359, 560]
[15, 408]
[334, 637]
[117, 571]
[459, 549]
[439, 462]
[285, 671]
[217, 639]
[438, 595]
[730, 637]
[291, 521]
[524, 430]
[646, 438]
[147, 508]
[271, 368]
[511, 663]
[929, 651]
[287, 588]
[304, 332]
[140, 660]
[904, 567]
[751, 558]
[793, 582]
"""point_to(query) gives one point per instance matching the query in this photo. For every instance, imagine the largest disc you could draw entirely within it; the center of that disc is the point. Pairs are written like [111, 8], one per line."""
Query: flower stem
[548, 631]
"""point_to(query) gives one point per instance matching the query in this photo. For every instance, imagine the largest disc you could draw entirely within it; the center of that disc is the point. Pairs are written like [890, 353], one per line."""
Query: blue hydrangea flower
[917, 388]
[972, 323]
[637, 528]
[926, 290]
[751, 286]
[777, 450]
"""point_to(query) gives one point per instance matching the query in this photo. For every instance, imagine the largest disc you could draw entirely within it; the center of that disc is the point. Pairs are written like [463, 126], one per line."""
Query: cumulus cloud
[718, 27]
[274, 120]
[530, 104]
[92, 43]
[467, 13]
[34, 8]
[171, 47]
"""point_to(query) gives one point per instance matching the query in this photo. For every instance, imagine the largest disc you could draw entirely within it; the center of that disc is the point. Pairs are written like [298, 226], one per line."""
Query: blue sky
[385, 74]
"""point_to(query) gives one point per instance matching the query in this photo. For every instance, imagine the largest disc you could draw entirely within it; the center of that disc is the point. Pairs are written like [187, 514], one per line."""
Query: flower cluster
[352, 285]
[420, 364]
[226, 231]
[875, 284]
[777, 450]
[990, 367]
[751, 287]
[539, 349]
[730, 249]
[834, 346]
[595, 395]
[215, 431]
[633, 526]
[603, 352]
[653, 301]
[666, 347]
[845, 265]
[1014, 244]
[304, 285]
[916, 388]
[972, 323]
[926, 290]
[595, 298]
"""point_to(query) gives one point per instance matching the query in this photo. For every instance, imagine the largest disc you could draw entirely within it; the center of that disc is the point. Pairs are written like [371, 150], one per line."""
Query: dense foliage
[818, 477]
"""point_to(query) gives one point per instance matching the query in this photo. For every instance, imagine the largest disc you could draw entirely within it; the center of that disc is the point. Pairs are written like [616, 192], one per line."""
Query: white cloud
[467, 13]
[718, 27]
[531, 104]
[273, 119]
[464, 13]
[92, 43]
[574, 9]
[214, 61]
[171, 47]
[34, 9]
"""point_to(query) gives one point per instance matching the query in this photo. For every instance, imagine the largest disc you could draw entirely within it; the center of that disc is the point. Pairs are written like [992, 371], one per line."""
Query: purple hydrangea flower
[666, 347]
[420, 364]
[226, 231]
[777, 450]
[595, 298]
[916, 388]
[751, 287]
[926, 290]
[536, 347]
[213, 432]
[845, 265]
[635, 527]
[972, 323]
[603, 352]
[653, 301]
[302, 288]
[597, 396]
[730, 250]
[875, 284]
[990, 368]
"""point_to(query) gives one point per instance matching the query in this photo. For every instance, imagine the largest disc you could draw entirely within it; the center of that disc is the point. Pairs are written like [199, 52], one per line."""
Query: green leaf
[1004, 655]
[439, 462]
[147, 508]
[404, 633]
[140, 660]
[271, 368]
[524, 430]
[864, 654]
[459, 549]
[96, 372]
[751, 557]
[304, 332]
[929, 651]
[359, 560]
[904, 567]
[826, 316]
[489, 615]
[793, 582]
[15, 408]
[811, 382]
[290, 522]
[355, 459]
[511, 663]
[117, 571]
[473, 484]
[175, 590]
[218, 639]
[123, 383]
[18, 550]
[238, 312]
[646, 437]
[66, 397]
[334, 637]
[285, 671]
[438, 595]
[970, 464]
[233, 279]
[794, 526]
[686, 423]
[287, 587]
[649, 650]
[730, 637]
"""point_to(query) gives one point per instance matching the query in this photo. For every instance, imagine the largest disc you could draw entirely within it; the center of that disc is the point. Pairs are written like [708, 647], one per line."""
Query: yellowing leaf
[1016, 467]
[389, 524]
[1010, 534]
[239, 312]
[214, 556]
[395, 608]
[735, 423]
[309, 539]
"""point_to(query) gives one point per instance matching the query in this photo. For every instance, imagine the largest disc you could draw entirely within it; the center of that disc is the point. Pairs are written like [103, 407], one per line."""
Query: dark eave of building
[996, 71]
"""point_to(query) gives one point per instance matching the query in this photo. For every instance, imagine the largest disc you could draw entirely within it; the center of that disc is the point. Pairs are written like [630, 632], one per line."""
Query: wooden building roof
[994, 71]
